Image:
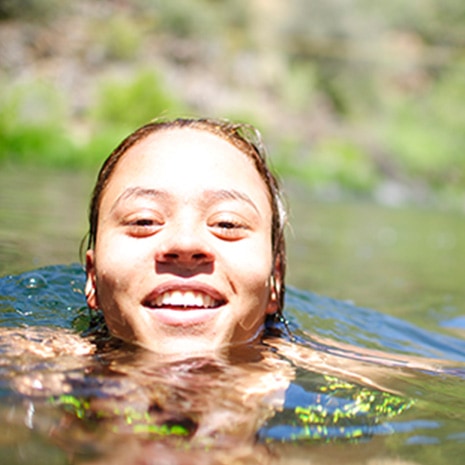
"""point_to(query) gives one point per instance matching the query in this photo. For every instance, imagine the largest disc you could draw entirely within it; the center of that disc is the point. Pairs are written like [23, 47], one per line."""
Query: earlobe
[273, 302]
[90, 288]
[275, 290]
[273, 306]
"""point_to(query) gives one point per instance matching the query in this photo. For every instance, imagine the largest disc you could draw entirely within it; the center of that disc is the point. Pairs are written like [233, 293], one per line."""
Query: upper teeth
[184, 299]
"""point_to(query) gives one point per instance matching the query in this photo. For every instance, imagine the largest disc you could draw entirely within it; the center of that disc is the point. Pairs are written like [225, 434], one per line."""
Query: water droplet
[34, 282]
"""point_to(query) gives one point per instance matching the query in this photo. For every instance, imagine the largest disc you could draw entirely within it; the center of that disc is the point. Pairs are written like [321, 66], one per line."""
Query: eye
[143, 226]
[143, 222]
[228, 225]
[229, 228]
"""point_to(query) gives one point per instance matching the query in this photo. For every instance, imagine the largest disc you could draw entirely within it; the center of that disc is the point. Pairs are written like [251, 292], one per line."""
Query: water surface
[362, 278]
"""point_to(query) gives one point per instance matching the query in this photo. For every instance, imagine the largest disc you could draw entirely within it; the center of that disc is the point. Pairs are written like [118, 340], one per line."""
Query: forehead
[187, 160]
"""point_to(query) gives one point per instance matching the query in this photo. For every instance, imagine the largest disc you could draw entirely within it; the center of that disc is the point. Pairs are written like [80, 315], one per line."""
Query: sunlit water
[406, 264]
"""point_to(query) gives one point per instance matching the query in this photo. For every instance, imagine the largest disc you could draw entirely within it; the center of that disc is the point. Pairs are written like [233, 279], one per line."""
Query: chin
[183, 347]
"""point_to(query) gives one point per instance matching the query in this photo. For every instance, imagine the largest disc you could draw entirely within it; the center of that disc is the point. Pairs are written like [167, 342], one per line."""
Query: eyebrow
[231, 194]
[139, 192]
[215, 195]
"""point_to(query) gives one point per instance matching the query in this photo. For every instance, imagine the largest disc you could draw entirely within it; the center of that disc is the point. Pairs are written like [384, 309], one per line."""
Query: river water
[362, 277]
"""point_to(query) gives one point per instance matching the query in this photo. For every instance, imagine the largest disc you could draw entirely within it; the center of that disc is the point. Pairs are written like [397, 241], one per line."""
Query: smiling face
[183, 256]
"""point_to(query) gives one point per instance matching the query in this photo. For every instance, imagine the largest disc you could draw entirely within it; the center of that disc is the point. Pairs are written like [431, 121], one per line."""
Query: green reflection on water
[42, 217]
[407, 262]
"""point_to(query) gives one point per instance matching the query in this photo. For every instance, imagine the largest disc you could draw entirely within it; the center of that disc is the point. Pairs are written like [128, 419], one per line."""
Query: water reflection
[405, 262]
[331, 388]
[42, 217]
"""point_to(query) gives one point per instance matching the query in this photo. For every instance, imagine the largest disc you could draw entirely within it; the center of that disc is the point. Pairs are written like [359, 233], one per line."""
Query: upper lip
[207, 293]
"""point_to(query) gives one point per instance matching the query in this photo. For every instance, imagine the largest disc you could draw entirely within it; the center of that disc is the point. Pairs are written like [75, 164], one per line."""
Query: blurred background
[360, 104]
[361, 96]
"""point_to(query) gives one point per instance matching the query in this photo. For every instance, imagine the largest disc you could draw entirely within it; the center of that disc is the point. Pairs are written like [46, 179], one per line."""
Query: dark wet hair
[244, 137]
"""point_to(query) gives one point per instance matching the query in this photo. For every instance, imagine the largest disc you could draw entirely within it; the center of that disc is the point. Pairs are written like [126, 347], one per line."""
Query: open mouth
[183, 300]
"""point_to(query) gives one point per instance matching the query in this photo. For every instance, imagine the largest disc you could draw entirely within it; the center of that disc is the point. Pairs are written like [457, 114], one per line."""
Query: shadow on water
[115, 405]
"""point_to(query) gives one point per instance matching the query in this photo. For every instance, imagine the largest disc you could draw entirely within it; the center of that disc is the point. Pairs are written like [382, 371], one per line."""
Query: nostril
[199, 256]
[183, 257]
[170, 256]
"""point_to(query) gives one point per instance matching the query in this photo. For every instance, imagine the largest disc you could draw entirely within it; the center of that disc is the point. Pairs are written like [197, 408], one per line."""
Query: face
[183, 256]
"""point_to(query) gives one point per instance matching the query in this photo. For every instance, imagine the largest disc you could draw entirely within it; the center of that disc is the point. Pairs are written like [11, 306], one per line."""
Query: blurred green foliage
[132, 102]
[199, 19]
[35, 126]
[427, 132]
[341, 162]
[120, 39]
[357, 93]
[37, 10]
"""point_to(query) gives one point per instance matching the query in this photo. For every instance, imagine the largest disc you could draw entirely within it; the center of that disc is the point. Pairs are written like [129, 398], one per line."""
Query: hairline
[242, 136]
[156, 127]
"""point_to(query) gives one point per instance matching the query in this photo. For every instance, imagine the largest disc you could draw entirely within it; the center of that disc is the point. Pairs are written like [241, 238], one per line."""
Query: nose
[185, 247]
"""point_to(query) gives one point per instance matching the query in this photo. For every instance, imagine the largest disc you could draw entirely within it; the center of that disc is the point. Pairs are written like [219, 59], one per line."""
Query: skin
[185, 211]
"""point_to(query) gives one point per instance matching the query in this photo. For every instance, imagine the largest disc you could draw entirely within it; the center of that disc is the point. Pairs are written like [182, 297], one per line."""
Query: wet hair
[244, 137]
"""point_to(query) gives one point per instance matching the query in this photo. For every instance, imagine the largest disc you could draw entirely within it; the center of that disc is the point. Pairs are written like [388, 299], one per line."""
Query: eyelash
[143, 222]
[229, 229]
[142, 227]
[229, 225]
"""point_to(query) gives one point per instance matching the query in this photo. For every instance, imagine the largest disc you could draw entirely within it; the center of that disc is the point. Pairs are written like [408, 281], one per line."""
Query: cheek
[118, 267]
[252, 268]
[116, 253]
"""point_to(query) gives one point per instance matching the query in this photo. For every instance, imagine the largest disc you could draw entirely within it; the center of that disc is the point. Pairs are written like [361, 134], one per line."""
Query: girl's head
[186, 245]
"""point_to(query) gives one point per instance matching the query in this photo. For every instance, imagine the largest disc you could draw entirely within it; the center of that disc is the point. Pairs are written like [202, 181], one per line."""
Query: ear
[275, 288]
[91, 288]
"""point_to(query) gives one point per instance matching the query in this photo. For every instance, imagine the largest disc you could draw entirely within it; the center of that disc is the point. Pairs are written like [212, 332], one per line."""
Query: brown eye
[144, 222]
[229, 229]
[143, 227]
[228, 225]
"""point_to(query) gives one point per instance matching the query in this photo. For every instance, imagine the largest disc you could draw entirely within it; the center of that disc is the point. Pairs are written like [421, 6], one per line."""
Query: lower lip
[184, 317]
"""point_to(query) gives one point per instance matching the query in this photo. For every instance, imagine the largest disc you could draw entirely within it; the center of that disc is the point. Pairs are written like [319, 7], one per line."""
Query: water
[404, 263]
[42, 217]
